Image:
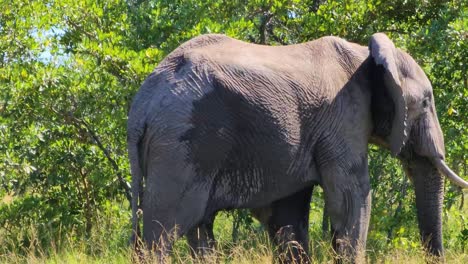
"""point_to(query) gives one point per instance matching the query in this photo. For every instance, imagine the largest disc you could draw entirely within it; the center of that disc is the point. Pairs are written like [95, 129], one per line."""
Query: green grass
[108, 245]
[108, 242]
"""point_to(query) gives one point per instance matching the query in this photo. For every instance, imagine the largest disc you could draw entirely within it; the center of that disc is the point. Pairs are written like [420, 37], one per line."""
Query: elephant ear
[383, 52]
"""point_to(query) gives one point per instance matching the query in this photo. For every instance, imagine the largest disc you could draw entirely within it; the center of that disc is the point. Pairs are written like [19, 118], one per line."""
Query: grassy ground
[108, 243]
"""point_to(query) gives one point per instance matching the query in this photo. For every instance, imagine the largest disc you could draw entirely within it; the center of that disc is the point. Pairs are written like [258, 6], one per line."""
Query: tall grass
[108, 243]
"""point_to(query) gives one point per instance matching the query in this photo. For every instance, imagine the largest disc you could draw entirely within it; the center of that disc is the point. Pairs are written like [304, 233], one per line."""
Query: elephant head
[410, 129]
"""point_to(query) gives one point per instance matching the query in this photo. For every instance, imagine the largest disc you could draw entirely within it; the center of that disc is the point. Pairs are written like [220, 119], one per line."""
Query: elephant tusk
[452, 176]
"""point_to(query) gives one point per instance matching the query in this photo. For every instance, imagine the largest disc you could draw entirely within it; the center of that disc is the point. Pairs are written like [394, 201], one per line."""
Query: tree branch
[315, 5]
[397, 211]
[81, 124]
[267, 16]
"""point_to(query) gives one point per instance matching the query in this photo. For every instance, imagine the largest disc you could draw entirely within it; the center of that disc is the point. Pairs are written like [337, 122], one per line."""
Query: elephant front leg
[348, 202]
[288, 226]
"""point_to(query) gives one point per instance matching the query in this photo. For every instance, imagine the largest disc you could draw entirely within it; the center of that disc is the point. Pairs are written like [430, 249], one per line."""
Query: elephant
[222, 124]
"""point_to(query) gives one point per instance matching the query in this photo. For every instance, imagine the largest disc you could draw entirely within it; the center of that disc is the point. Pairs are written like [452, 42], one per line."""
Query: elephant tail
[136, 164]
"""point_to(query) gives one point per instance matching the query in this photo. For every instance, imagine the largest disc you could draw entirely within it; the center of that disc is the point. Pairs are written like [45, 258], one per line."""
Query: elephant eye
[425, 102]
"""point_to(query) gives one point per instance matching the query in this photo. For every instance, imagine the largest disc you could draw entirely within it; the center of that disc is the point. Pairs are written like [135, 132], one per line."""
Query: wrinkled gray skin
[224, 124]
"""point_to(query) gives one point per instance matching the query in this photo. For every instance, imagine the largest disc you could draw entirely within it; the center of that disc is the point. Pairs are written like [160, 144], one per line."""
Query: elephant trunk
[429, 187]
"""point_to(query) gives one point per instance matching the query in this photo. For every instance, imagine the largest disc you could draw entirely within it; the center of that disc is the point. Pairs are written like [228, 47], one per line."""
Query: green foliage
[69, 69]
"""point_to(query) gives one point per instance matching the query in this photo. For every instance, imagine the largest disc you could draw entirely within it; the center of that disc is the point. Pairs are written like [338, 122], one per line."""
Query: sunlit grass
[108, 243]
[242, 252]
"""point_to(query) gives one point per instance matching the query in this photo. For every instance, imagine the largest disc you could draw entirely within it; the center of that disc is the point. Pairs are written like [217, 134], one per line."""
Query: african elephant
[223, 124]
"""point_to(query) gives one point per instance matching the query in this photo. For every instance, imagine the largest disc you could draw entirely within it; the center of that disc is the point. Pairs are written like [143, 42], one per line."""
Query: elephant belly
[248, 147]
[248, 168]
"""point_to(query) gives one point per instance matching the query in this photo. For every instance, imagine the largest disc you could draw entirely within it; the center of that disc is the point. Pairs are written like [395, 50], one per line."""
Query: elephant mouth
[452, 176]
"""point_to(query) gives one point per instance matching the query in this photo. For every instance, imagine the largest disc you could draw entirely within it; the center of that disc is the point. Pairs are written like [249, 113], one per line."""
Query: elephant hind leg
[174, 200]
[166, 222]
[201, 238]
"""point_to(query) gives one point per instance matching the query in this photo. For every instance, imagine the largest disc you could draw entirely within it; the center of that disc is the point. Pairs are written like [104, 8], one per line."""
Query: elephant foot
[288, 226]
[290, 250]
[201, 240]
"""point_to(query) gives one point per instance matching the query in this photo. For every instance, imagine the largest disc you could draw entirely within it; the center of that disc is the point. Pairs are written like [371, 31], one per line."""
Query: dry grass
[108, 243]
[256, 250]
